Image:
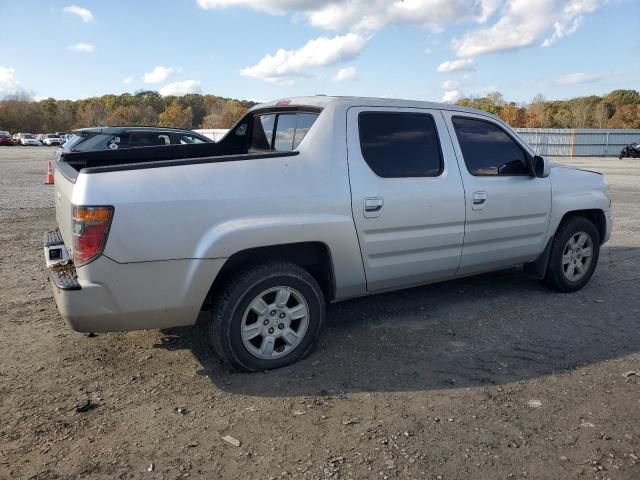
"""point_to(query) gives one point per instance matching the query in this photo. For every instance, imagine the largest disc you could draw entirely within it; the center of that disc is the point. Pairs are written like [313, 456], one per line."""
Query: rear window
[397, 145]
[281, 132]
[86, 142]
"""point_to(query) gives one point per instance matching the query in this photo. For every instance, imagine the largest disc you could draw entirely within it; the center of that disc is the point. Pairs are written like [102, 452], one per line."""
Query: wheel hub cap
[275, 322]
[577, 256]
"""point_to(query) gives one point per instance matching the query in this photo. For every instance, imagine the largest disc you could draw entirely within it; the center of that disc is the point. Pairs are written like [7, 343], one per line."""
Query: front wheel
[267, 317]
[574, 255]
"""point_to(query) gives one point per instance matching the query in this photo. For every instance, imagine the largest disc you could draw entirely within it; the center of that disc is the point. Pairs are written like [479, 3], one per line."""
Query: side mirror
[541, 167]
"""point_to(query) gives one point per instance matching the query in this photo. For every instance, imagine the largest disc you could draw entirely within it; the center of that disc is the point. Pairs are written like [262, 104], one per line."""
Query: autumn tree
[176, 116]
[92, 114]
[536, 115]
[133, 115]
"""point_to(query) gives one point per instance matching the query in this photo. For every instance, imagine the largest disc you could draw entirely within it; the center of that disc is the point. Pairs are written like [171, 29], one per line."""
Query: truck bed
[70, 164]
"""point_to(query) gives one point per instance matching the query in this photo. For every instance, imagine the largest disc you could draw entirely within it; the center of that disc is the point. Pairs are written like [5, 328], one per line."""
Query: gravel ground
[486, 377]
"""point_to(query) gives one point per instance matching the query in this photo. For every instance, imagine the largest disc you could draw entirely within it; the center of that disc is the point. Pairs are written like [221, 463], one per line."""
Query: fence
[214, 134]
[554, 142]
[585, 142]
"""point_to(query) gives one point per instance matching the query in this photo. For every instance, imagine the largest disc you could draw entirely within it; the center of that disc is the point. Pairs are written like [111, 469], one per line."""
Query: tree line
[618, 109]
[19, 113]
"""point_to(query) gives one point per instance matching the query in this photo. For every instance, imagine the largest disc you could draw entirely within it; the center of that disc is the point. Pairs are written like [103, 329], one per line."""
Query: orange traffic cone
[49, 179]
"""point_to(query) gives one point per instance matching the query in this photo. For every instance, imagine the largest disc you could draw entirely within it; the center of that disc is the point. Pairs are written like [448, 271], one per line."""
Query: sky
[259, 50]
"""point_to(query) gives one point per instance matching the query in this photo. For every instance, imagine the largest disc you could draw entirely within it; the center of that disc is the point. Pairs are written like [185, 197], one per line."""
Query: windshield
[29, 136]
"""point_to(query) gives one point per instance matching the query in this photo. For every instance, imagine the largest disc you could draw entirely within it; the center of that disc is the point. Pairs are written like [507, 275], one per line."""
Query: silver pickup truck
[304, 201]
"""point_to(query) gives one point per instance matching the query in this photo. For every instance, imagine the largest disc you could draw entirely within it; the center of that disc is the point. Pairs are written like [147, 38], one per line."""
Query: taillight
[90, 227]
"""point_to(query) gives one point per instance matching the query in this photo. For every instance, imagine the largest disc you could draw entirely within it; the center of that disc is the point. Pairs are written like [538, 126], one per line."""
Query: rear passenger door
[407, 195]
[508, 208]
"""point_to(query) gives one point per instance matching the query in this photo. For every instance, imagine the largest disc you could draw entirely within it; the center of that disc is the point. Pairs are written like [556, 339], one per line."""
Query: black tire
[230, 304]
[555, 277]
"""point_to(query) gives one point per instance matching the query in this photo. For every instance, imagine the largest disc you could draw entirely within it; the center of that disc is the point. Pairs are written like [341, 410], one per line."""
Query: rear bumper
[106, 296]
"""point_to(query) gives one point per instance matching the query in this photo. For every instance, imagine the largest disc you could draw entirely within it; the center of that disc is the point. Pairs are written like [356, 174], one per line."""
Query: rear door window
[398, 144]
[188, 139]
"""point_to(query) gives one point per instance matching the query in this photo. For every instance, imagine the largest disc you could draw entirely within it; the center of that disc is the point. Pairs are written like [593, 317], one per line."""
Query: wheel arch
[538, 267]
[315, 257]
[594, 215]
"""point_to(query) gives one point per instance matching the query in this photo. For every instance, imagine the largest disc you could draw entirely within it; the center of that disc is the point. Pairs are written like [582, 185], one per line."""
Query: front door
[407, 196]
[508, 208]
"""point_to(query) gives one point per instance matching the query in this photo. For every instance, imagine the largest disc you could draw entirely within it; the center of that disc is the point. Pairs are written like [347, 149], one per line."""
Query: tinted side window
[487, 149]
[398, 145]
[188, 139]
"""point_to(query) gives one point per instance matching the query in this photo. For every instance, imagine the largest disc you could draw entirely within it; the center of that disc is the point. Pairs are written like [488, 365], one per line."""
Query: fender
[336, 231]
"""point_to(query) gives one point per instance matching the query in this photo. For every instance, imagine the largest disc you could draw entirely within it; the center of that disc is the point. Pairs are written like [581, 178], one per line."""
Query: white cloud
[82, 47]
[8, 81]
[158, 74]
[579, 78]
[129, 79]
[282, 66]
[450, 85]
[370, 14]
[347, 73]
[523, 23]
[456, 65]
[181, 88]
[451, 96]
[83, 13]
[571, 19]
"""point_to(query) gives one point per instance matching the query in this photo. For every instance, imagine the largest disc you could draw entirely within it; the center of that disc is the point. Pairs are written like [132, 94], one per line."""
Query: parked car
[309, 200]
[632, 150]
[29, 139]
[113, 138]
[52, 139]
[5, 138]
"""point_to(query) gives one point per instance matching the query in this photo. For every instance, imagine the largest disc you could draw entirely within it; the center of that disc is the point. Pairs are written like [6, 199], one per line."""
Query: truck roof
[321, 101]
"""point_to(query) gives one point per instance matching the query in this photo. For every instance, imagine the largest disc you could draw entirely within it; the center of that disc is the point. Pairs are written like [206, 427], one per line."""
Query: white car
[29, 139]
[309, 200]
[52, 139]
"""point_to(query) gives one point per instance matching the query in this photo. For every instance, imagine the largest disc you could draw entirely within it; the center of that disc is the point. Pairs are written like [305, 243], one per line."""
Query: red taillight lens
[90, 226]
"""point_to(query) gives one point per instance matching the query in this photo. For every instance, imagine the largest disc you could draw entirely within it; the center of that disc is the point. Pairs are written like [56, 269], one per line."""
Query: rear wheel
[574, 255]
[268, 316]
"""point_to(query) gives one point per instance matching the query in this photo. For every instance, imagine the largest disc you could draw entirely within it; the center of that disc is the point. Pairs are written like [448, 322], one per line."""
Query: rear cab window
[280, 131]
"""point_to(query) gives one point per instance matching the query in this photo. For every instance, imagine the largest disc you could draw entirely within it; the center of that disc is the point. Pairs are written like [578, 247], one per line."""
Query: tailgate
[63, 191]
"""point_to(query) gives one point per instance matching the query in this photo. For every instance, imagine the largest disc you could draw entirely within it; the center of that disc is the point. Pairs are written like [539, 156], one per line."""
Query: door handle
[479, 200]
[373, 206]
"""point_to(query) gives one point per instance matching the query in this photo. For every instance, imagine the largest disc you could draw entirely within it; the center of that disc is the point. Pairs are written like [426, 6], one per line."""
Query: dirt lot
[486, 377]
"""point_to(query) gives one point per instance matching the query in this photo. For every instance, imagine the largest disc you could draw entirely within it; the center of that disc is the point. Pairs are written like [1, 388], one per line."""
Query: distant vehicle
[632, 150]
[308, 200]
[29, 139]
[5, 138]
[114, 138]
[52, 139]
